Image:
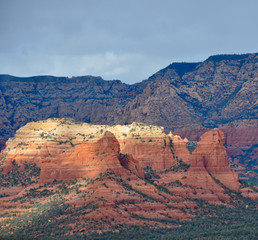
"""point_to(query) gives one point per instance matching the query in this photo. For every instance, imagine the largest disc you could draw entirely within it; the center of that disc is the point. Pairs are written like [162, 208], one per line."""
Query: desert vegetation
[27, 176]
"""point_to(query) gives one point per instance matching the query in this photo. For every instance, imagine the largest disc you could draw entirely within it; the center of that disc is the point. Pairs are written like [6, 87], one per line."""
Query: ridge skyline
[171, 65]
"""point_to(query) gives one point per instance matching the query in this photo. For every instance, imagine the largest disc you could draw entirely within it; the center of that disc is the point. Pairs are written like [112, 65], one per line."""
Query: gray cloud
[118, 39]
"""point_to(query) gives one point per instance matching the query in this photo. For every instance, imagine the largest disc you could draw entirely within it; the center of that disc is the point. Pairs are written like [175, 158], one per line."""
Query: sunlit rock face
[211, 155]
[87, 160]
[66, 149]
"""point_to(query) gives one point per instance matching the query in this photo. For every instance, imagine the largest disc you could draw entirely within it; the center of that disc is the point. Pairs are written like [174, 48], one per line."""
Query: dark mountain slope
[215, 92]
[89, 99]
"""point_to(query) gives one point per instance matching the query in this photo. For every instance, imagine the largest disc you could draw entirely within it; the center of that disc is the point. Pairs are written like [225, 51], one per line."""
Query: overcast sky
[120, 39]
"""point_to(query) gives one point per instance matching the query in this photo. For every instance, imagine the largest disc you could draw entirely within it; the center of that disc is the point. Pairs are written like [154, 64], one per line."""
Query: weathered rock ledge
[65, 149]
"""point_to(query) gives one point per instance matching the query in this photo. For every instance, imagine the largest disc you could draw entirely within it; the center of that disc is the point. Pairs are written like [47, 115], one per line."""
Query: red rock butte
[65, 149]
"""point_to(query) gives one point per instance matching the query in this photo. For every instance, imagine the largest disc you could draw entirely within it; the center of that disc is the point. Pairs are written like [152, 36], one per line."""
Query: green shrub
[20, 177]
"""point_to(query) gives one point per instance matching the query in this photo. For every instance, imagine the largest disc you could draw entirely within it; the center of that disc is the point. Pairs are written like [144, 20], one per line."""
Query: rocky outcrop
[241, 139]
[210, 155]
[66, 149]
[154, 152]
[130, 163]
[209, 166]
[180, 147]
[86, 160]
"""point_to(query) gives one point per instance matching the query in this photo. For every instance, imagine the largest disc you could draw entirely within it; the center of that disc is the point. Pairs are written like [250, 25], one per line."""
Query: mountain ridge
[173, 65]
[217, 92]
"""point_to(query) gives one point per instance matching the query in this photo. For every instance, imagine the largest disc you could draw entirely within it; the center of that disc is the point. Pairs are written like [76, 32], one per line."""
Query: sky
[127, 40]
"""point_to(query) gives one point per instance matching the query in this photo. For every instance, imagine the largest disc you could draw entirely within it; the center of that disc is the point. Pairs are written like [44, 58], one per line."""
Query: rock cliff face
[188, 98]
[88, 160]
[154, 152]
[65, 149]
[181, 150]
[211, 155]
[241, 144]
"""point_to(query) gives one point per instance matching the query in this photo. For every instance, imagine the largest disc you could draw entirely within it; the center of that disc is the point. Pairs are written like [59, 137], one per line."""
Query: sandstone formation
[241, 144]
[87, 160]
[65, 149]
[154, 152]
[211, 155]
[130, 163]
[180, 146]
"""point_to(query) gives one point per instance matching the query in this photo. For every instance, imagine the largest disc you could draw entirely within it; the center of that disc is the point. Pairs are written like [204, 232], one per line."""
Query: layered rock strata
[65, 149]
[88, 160]
[211, 155]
